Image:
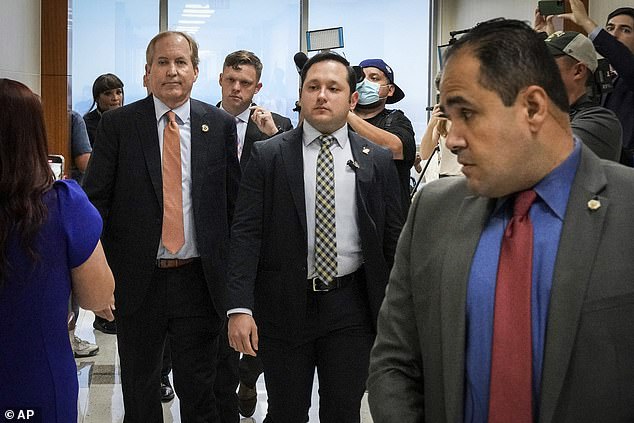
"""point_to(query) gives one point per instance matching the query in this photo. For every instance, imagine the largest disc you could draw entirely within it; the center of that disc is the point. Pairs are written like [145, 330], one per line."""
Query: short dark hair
[193, 46]
[621, 11]
[103, 83]
[512, 56]
[329, 55]
[243, 57]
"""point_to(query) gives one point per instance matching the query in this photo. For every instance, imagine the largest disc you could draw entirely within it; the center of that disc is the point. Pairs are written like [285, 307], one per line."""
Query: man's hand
[580, 16]
[543, 23]
[106, 313]
[243, 333]
[264, 120]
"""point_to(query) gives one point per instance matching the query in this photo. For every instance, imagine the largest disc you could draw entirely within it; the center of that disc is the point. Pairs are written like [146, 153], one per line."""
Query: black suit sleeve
[619, 56]
[393, 210]
[233, 167]
[246, 234]
[100, 177]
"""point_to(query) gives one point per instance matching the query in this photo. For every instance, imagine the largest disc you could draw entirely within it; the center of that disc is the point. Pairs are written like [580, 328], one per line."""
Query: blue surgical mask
[368, 92]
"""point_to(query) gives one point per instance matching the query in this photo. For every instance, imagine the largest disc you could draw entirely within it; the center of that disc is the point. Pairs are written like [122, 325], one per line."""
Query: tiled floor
[100, 399]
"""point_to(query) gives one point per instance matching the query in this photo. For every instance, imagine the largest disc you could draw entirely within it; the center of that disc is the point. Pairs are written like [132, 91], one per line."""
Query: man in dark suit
[309, 261]
[240, 81]
[164, 175]
[442, 350]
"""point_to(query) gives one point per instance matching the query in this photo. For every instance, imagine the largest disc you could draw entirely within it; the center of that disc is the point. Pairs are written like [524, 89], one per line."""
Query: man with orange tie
[164, 175]
[523, 311]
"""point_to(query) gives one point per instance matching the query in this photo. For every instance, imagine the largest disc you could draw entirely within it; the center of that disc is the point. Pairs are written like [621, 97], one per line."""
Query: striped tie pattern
[325, 225]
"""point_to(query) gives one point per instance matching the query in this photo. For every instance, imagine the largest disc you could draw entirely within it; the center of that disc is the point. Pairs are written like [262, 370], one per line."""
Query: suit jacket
[253, 134]
[417, 363]
[268, 267]
[124, 182]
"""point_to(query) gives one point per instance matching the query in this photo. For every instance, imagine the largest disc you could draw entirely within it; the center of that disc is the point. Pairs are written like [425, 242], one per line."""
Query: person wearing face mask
[389, 128]
[107, 94]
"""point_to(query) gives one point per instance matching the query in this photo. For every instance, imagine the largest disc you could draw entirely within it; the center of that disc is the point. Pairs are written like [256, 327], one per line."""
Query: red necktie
[173, 234]
[511, 358]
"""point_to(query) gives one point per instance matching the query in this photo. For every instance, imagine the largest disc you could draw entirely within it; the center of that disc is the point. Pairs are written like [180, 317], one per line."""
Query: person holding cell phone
[49, 245]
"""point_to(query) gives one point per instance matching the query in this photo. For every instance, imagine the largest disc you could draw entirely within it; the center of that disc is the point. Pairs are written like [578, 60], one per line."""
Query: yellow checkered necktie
[325, 225]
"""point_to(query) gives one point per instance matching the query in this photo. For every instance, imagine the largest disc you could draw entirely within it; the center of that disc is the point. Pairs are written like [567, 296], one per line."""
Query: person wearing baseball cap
[598, 127]
[615, 43]
[388, 128]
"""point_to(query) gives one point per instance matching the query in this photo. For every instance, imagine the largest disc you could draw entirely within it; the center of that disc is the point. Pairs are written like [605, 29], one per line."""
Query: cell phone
[547, 8]
[56, 162]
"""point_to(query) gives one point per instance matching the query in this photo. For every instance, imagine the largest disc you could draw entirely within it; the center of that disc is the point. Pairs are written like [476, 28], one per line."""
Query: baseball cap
[387, 70]
[575, 45]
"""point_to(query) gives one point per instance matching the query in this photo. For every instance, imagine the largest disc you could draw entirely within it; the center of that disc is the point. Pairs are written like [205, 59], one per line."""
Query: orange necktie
[173, 234]
[511, 391]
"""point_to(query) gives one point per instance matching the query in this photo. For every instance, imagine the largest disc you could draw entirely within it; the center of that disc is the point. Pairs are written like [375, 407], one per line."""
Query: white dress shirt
[183, 119]
[242, 120]
[349, 254]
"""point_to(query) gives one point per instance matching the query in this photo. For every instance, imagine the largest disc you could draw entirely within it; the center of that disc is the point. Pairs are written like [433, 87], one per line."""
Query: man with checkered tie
[316, 225]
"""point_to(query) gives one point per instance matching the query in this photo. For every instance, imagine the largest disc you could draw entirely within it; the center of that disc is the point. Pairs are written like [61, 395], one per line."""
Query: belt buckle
[315, 280]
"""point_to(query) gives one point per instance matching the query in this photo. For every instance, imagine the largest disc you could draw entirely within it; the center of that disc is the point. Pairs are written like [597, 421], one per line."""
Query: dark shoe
[247, 400]
[105, 326]
[167, 393]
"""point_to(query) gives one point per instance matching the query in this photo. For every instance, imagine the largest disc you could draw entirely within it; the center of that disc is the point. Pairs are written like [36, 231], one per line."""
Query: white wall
[20, 46]
[462, 14]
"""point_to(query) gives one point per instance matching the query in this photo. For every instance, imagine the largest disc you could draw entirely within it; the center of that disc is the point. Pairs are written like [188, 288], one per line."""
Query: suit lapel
[465, 235]
[199, 150]
[251, 135]
[147, 133]
[362, 152]
[293, 159]
[580, 237]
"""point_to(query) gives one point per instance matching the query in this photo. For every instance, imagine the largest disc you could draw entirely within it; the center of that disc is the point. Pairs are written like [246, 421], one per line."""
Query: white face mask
[369, 92]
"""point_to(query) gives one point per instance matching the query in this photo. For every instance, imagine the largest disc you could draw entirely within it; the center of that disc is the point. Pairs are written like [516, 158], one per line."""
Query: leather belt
[173, 263]
[317, 285]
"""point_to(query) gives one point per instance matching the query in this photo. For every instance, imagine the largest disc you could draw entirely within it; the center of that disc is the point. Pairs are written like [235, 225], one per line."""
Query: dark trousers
[336, 339]
[227, 380]
[177, 305]
[250, 370]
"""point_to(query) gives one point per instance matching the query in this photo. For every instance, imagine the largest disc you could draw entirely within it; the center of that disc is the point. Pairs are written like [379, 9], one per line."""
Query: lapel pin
[365, 150]
[594, 204]
[205, 128]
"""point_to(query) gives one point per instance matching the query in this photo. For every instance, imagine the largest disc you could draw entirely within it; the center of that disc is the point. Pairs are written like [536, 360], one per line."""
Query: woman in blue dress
[49, 244]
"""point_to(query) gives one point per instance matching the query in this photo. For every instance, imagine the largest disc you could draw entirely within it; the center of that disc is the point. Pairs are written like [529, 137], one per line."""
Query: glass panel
[397, 32]
[267, 28]
[110, 36]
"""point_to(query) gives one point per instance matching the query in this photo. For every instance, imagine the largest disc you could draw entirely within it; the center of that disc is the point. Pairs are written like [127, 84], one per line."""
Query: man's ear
[536, 102]
[580, 71]
[354, 98]
[220, 79]
[390, 90]
[258, 87]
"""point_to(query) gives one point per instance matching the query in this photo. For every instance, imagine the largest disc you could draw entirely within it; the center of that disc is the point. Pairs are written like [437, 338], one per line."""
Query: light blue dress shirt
[547, 216]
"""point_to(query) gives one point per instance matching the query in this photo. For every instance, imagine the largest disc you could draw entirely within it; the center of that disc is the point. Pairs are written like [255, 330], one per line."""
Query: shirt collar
[181, 111]
[310, 134]
[554, 188]
[244, 116]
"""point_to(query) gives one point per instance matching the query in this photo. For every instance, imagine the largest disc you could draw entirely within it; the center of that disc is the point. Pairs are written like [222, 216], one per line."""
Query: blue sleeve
[80, 219]
[79, 142]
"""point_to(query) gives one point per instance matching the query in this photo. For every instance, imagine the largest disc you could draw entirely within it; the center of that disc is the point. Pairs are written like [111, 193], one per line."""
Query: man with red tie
[164, 176]
[523, 311]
